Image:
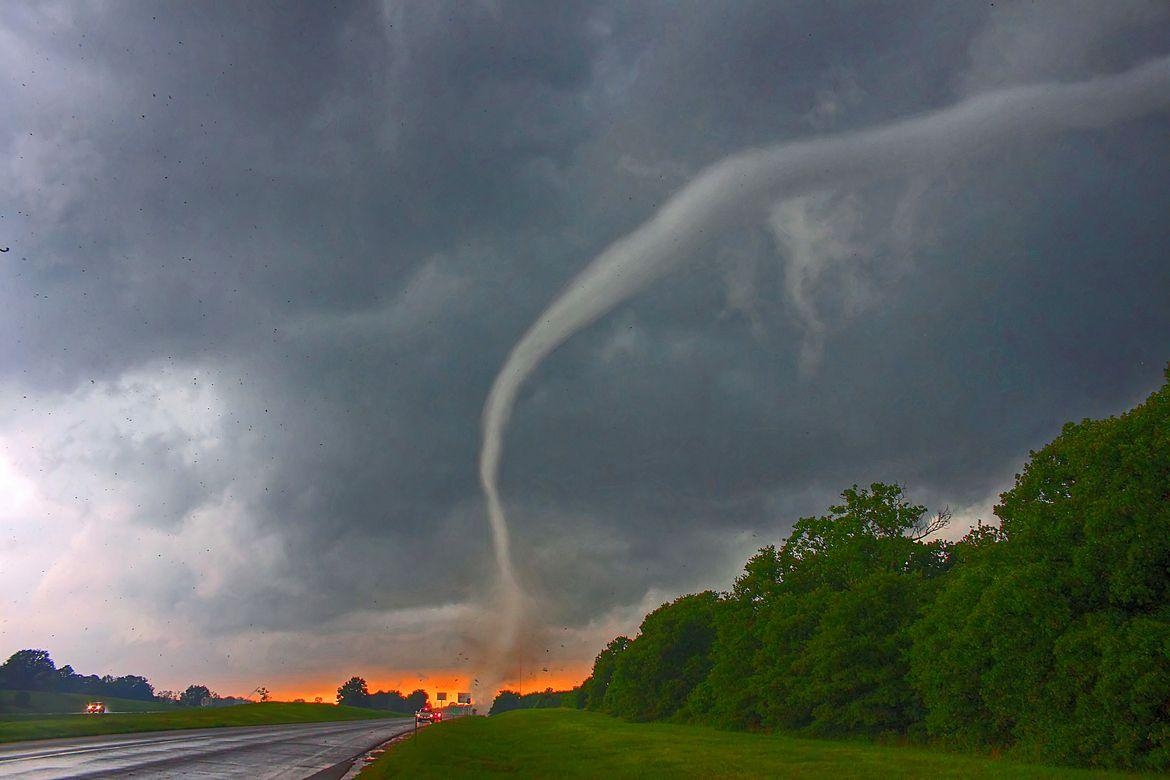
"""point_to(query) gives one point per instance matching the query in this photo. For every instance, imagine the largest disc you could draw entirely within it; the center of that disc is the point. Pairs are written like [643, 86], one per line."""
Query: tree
[574, 698]
[850, 676]
[1052, 637]
[795, 607]
[594, 687]
[417, 700]
[504, 702]
[130, 686]
[393, 701]
[875, 529]
[194, 695]
[31, 670]
[655, 675]
[730, 694]
[354, 693]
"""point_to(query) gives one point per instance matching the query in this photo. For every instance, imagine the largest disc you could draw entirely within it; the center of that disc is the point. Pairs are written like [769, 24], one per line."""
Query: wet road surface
[270, 752]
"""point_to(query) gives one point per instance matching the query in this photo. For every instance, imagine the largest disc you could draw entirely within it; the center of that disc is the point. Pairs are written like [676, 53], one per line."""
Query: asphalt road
[285, 752]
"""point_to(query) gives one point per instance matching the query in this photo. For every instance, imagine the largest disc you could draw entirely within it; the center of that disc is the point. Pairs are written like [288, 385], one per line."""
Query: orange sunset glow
[452, 682]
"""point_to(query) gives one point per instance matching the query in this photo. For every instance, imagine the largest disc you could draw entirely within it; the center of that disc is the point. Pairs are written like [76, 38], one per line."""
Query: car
[95, 708]
[428, 715]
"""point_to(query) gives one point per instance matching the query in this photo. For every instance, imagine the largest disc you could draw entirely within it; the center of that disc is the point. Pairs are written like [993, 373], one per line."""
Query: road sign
[441, 696]
[465, 698]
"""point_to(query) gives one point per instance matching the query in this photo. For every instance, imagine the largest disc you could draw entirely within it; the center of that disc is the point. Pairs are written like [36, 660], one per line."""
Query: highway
[272, 752]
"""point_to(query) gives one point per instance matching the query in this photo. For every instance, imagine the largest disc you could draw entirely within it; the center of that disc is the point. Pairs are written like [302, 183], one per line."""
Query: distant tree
[130, 686]
[574, 698]
[317, 700]
[393, 701]
[68, 681]
[354, 693]
[262, 693]
[548, 698]
[31, 670]
[505, 701]
[194, 695]
[416, 700]
[89, 683]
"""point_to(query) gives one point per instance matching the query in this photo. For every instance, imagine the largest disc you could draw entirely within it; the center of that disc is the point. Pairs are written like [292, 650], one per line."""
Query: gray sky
[264, 264]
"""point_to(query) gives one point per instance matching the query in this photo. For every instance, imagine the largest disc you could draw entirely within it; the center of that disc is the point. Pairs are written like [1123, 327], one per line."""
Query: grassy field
[42, 703]
[570, 743]
[269, 713]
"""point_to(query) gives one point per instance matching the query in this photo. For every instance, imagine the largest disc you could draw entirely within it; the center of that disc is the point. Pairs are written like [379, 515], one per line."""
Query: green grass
[570, 743]
[269, 713]
[42, 703]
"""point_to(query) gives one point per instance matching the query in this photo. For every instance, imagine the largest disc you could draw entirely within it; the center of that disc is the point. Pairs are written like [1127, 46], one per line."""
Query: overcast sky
[265, 262]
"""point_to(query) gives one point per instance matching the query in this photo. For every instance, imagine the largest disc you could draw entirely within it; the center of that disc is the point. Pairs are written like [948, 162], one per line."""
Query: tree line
[31, 671]
[507, 701]
[34, 670]
[355, 692]
[1047, 635]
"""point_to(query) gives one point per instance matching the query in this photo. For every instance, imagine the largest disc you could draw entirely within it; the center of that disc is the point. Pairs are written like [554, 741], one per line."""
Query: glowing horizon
[451, 682]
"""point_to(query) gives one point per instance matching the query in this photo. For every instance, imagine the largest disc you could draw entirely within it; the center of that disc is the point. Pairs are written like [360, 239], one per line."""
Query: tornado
[738, 190]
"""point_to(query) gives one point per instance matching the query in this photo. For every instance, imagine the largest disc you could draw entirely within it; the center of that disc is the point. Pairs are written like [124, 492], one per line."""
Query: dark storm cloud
[325, 228]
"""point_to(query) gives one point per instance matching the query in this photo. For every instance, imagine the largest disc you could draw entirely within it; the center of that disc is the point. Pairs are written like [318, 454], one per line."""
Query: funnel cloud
[738, 189]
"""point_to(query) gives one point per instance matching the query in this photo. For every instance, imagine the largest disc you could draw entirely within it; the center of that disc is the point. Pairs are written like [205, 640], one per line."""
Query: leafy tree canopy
[194, 695]
[31, 670]
[656, 673]
[354, 693]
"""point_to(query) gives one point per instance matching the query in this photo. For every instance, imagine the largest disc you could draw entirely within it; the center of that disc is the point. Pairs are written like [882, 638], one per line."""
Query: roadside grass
[41, 703]
[572, 743]
[266, 714]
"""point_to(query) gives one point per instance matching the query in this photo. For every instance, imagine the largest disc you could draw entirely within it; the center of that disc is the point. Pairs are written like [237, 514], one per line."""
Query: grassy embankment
[570, 743]
[269, 713]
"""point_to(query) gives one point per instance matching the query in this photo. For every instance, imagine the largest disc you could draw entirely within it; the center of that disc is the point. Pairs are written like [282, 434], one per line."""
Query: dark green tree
[875, 529]
[815, 591]
[194, 695]
[66, 680]
[417, 698]
[389, 700]
[671, 655]
[594, 687]
[850, 676]
[1052, 638]
[130, 686]
[505, 701]
[354, 693]
[31, 670]
[731, 694]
